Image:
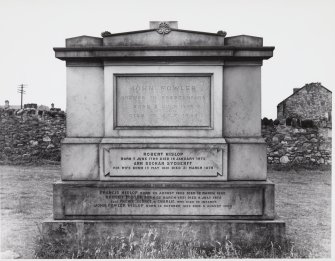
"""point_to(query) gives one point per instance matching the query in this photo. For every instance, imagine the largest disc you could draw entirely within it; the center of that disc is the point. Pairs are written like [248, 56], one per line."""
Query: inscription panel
[162, 163]
[163, 101]
[163, 201]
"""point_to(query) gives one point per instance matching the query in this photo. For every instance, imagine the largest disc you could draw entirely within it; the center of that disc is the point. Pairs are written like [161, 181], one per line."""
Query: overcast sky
[303, 33]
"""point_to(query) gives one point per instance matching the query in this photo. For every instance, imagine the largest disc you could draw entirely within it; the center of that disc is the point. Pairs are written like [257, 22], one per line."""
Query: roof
[316, 84]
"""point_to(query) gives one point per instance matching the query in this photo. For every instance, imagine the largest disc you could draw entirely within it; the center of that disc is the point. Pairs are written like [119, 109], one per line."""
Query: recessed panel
[162, 163]
[164, 201]
[163, 101]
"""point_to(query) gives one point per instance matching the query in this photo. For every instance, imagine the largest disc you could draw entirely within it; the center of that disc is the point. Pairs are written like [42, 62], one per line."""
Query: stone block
[170, 101]
[244, 40]
[80, 161]
[85, 109]
[241, 101]
[163, 159]
[83, 41]
[163, 200]
[246, 161]
[155, 24]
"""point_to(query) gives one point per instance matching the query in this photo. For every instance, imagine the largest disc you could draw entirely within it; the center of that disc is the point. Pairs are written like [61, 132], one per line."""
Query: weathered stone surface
[246, 161]
[145, 101]
[241, 88]
[284, 159]
[30, 134]
[9, 254]
[176, 37]
[85, 112]
[50, 146]
[164, 200]
[312, 101]
[163, 162]
[155, 24]
[300, 146]
[244, 40]
[165, 92]
[83, 41]
[80, 161]
[33, 143]
[46, 139]
[164, 112]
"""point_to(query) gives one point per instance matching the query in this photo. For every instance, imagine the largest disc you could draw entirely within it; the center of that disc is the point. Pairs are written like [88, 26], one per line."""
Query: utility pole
[21, 90]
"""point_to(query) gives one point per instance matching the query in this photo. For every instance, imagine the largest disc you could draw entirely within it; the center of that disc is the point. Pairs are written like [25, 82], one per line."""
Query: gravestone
[164, 131]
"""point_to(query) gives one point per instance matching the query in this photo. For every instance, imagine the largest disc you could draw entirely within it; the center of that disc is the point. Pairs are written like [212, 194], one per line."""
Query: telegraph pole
[21, 90]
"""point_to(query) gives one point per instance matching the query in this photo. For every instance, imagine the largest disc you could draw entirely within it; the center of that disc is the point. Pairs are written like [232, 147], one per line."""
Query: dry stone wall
[287, 145]
[30, 136]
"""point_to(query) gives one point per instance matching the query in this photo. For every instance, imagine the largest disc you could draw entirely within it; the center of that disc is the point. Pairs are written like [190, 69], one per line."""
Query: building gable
[313, 101]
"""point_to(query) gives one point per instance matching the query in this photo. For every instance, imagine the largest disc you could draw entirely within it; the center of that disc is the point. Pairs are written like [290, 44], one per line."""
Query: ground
[303, 201]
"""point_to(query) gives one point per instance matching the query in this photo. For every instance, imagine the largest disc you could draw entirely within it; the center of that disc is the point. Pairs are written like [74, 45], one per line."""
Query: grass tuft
[151, 245]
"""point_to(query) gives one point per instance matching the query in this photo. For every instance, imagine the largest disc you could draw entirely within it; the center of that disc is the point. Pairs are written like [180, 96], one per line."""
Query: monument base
[203, 231]
[169, 200]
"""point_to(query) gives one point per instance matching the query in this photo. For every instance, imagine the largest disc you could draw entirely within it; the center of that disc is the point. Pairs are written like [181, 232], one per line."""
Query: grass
[303, 201]
[152, 245]
[25, 200]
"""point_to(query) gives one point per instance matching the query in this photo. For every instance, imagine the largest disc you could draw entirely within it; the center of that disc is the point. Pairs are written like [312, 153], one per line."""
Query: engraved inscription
[165, 201]
[162, 162]
[163, 101]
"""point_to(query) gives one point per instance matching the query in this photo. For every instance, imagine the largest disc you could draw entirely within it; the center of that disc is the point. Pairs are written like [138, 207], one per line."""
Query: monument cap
[156, 24]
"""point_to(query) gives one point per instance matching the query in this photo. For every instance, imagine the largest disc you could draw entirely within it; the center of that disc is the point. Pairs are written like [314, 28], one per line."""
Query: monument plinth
[164, 130]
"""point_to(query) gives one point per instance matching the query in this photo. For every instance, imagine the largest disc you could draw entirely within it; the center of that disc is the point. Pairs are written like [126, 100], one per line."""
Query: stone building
[313, 101]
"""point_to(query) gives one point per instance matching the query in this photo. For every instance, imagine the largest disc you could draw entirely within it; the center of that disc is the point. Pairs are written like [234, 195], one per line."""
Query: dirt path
[303, 201]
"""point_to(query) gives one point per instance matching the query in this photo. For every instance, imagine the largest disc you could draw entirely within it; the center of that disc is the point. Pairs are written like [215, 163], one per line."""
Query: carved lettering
[158, 101]
[162, 162]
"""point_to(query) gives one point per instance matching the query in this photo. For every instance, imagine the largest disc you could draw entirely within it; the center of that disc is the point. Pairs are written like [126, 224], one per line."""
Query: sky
[303, 33]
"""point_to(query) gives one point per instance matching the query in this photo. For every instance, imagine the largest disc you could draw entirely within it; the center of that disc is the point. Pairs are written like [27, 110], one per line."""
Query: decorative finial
[105, 34]
[163, 28]
[222, 33]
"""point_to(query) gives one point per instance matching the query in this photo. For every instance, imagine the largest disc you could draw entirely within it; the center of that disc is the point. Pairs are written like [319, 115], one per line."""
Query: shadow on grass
[152, 245]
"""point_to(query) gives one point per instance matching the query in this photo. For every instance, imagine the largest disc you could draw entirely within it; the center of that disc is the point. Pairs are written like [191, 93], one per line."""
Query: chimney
[6, 104]
[52, 105]
[295, 90]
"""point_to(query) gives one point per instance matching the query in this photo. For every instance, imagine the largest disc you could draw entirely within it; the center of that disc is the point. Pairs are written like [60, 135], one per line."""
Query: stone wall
[288, 145]
[30, 136]
[313, 102]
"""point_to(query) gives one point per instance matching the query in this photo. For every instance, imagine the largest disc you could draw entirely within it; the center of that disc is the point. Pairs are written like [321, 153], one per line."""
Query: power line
[21, 90]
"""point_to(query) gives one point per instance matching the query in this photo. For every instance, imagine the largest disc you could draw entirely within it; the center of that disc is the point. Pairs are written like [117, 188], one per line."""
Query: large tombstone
[164, 131]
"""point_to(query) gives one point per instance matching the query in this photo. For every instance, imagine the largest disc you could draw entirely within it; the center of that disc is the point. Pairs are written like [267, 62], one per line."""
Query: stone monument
[164, 130]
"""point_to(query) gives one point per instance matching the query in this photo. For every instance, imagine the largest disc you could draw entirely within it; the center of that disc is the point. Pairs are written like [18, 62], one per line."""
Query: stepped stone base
[84, 200]
[169, 230]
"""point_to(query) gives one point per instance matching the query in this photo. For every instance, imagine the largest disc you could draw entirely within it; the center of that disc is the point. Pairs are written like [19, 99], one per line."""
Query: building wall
[280, 111]
[310, 102]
